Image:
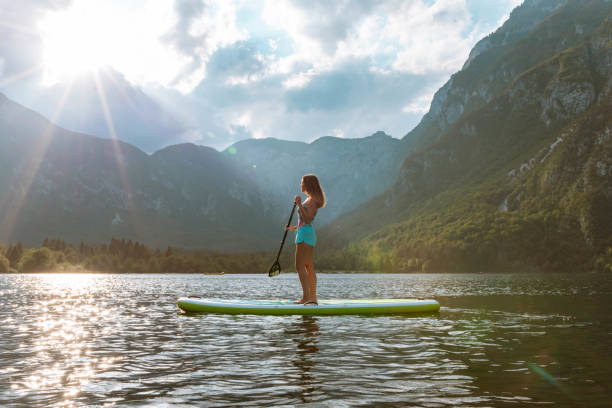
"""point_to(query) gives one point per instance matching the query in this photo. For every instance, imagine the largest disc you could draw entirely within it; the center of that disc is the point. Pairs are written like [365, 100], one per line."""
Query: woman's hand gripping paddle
[275, 269]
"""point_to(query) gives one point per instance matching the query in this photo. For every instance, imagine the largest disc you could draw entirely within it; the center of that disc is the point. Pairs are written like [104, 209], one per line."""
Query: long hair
[313, 189]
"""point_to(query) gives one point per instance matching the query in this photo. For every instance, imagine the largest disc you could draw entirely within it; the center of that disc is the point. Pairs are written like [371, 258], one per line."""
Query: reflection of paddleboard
[325, 307]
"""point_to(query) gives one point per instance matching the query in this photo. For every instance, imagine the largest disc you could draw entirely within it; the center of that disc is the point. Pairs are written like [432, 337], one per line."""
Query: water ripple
[104, 340]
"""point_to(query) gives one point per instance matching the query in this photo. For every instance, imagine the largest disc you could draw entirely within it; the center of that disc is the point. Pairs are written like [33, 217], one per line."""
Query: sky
[228, 70]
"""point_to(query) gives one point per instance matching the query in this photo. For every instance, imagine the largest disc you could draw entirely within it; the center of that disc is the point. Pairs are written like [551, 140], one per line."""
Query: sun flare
[74, 43]
[89, 35]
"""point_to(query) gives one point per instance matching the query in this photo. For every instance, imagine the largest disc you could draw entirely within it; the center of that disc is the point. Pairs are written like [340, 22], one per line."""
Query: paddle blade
[274, 270]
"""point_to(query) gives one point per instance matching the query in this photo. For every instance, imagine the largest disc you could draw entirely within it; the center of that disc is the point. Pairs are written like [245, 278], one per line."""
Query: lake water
[119, 340]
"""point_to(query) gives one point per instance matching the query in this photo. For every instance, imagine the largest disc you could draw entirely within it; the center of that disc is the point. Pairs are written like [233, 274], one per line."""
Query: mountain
[57, 183]
[494, 62]
[511, 169]
[351, 171]
[92, 102]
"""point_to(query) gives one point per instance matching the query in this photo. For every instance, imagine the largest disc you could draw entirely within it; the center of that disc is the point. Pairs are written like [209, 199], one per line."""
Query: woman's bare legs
[305, 269]
[312, 282]
[311, 276]
[300, 268]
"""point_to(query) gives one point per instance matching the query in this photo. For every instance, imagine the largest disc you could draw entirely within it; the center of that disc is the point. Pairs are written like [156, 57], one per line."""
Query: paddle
[276, 268]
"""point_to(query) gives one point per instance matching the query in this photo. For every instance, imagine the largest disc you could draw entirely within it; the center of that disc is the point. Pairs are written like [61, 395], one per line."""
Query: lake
[117, 340]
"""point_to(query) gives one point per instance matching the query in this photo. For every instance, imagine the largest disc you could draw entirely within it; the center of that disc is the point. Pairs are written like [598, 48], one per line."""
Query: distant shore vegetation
[126, 256]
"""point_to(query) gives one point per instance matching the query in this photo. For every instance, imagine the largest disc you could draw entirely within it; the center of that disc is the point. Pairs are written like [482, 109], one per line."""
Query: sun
[75, 42]
[143, 40]
[94, 34]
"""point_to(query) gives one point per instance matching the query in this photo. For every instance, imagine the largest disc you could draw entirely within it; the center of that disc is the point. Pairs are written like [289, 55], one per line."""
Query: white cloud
[313, 52]
[234, 80]
[191, 136]
[419, 105]
[338, 133]
[432, 38]
[412, 37]
[151, 41]
[511, 5]
[299, 80]
[273, 44]
[244, 119]
[200, 32]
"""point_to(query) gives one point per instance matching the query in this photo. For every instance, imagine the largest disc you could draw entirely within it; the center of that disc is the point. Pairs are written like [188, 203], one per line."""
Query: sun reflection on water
[62, 328]
[110, 339]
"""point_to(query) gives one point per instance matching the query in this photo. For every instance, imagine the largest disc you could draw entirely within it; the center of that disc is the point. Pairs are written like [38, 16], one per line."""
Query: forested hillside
[522, 180]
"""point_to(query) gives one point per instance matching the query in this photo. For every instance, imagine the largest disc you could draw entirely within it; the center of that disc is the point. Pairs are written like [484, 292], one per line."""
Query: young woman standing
[306, 239]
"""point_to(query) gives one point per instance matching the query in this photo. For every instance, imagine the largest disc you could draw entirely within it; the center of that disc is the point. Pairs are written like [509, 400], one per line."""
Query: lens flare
[552, 380]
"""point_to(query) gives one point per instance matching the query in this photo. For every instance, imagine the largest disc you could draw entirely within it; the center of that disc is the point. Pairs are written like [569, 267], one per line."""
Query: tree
[37, 260]
[14, 254]
[4, 264]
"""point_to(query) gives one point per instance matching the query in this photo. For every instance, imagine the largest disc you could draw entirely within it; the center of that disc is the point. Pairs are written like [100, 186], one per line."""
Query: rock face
[493, 64]
[540, 101]
[57, 183]
[522, 134]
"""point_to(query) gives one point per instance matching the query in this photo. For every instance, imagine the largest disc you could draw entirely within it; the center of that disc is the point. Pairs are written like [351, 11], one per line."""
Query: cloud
[234, 69]
[415, 37]
[167, 42]
[348, 73]
[200, 30]
[354, 84]
[239, 63]
[419, 104]
[352, 101]
[431, 38]
[320, 24]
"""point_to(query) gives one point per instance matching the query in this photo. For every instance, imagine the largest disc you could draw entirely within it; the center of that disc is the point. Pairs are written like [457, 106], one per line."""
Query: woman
[306, 238]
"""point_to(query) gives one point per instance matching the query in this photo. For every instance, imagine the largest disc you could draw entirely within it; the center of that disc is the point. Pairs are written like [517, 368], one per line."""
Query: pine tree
[14, 254]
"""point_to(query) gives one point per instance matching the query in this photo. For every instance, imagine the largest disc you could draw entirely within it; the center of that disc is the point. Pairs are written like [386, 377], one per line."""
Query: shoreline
[325, 272]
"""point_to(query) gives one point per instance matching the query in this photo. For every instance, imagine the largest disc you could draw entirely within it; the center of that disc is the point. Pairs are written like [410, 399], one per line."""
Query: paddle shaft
[286, 230]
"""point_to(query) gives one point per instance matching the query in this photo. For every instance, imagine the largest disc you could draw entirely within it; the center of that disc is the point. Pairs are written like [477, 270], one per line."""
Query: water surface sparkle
[104, 340]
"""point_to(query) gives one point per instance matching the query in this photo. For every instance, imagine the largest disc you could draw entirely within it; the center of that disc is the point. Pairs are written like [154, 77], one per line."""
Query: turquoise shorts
[307, 235]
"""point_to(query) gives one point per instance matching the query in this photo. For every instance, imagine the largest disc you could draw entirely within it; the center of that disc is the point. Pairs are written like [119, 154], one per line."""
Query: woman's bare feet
[311, 302]
[299, 302]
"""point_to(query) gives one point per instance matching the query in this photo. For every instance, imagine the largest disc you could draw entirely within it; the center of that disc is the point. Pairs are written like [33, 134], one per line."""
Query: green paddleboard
[324, 308]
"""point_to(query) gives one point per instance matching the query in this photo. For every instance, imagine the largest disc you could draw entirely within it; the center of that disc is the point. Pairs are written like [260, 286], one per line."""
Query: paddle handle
[286, 230]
